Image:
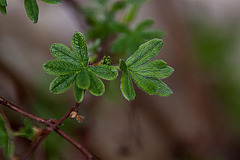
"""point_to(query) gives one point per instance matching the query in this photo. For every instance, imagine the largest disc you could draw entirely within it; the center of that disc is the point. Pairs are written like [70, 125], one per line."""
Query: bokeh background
[200, 121]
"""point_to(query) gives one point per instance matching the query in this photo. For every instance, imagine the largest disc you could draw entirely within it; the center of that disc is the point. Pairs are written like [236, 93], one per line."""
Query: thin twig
[51, 126]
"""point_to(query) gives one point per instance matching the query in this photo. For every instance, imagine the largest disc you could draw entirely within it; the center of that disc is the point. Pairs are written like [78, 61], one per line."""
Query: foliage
[145, 74]
[6, 139]
[73, 68]
[31, 8]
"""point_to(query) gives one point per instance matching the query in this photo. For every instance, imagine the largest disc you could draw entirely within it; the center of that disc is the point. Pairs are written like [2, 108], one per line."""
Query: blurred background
[200, 121]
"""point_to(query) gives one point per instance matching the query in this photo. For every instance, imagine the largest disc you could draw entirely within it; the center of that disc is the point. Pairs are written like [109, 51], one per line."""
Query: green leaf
[97, 87]
[151, 85]
[157, 69]
[131, 14]
[62, 83]
[62, 52]
[32, 10]
[6, 140]
[80, 47]
[27, 131]
[3, 3]
[3, 9]
[104, 71]
[145, 83]
[145, 53]
[82, 79]
[57, 67]
[52, 1]
[78, 93]
[163, 89]
[122, 65]
[144, 24]
[127, 87]
[3, 132]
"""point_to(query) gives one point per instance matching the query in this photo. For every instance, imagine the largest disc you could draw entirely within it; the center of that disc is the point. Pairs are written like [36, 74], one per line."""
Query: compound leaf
[52, 1]
[145, 53]
[97, 87]
[83, 80]
[62, 83]
[57, 67]
[127, 87]
[104, 71]
[62, 52]
[80, 47]
[32, 10]
[157, 69]
[78, 93]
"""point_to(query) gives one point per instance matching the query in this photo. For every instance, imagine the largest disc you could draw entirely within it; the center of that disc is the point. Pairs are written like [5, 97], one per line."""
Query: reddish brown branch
[51, 126]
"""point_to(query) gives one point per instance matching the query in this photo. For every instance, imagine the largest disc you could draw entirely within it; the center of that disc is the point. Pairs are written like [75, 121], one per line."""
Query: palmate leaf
[57, 67]
[145, 74]
[32, 10]
[52, 1]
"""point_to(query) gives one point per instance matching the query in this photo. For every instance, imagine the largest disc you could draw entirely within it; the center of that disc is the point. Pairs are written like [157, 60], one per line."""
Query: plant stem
[51, 126]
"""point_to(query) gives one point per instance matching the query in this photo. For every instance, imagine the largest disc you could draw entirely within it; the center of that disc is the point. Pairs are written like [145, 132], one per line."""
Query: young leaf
[57, 67]
[104, 71]
[157, 69]
[82, 79]
[97, 87]
[32, 10]
[62, 83]
[62, 52]
[78, 93]
[3, 3]
[145, 53]
[80, 47]
[3, 9]
[27, 131]
[163, 89]
[145, 83]
[122, 65]
[52, 1]
[127, 87]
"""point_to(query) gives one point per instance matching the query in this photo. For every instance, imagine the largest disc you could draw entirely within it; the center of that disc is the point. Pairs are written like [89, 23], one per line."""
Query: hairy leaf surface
[80, 47]
[157, 69]
[145, 53]
[57, 67]
[97, 87]
[82, 79]
[62, 83]
[104, 71]
[127, 86]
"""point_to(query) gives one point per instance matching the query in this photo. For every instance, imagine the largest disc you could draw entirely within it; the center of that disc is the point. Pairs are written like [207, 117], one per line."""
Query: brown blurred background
[200, 121]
